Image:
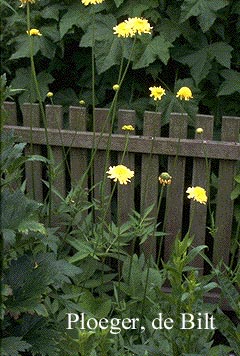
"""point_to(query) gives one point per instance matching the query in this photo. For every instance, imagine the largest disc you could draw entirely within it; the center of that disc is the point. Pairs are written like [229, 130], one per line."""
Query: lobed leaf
[205, 10]
[12, 346]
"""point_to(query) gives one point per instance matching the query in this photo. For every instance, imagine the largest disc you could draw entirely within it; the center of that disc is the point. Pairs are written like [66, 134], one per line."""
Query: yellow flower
[123, 30]
[128, 128]
[49, 94]
[120, 173]
[165, 178]
[92, 2]
[139, 25]
[198, 194]
[34, 32]
[116, 87]
[132, 26]
[157, 92]
[23, 2]
[184, 93]
[81, 102]
[199, 130]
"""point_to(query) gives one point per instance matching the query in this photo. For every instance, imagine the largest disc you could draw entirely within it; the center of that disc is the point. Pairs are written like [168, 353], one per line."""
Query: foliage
[64, 257]
[193, 40]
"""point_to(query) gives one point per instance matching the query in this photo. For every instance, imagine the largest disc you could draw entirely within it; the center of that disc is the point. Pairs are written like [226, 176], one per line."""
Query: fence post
[224, 206]
[54, 121]
[78, 157]
[149, 177]
[201, 178]
[125, 193]
[175, 193]
[101, 163]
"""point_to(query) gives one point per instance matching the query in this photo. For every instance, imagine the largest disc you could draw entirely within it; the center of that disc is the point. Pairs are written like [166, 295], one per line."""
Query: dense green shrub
[194, 43]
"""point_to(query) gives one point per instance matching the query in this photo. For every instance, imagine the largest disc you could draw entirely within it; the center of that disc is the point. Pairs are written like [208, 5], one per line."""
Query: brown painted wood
[175, 193]
[224, 207]
[78, 158]
[125, 193]
[33, 170]
[101, 163]
[54, 121]
[138, 144]
[10, 113]
[149, 177]
[201, 177]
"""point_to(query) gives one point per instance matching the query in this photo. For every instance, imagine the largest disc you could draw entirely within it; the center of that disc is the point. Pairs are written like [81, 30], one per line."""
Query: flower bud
[199, 130]
[116, 87]
[165, 178]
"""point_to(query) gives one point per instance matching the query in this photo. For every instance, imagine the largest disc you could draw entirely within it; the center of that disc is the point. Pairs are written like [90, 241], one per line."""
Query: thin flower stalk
[106, 208]
[213, 228]
[65, 160]
[158, 257]
[33, 70]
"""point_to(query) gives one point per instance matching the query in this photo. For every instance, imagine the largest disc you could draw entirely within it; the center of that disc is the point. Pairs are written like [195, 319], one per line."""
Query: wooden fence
[148, 155]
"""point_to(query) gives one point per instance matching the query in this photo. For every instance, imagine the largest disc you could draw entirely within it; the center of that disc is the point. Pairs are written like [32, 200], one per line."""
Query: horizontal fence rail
[147, 154]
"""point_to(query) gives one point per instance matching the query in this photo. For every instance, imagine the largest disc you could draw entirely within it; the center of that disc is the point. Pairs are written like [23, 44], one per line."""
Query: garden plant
[73, 282]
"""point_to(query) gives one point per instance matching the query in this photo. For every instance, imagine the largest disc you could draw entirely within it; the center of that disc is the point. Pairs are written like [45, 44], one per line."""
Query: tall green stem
[34, 75]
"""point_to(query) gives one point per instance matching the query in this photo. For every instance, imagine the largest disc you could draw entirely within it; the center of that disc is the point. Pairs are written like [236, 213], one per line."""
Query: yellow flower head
[34, 32]
[165, 178]
[199, 130]
[120, 173]
[139, 25]
[198, 194]
[132, 26]
[91, 2]
[157, 92]
[184, 93]
[23, 2]
[82, 102]
[123, 30]
[49, 94]
[128, 128]
[116, 87]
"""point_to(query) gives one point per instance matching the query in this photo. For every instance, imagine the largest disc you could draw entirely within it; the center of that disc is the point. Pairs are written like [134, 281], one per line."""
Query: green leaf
[118, 2]
[200, 60]
[30, 276]
[171, 27]
[44, 341]
[23, 80]
[83, 249]
[129, 9]
[219, 350]
[229, 330]
[100, 30]
[199, 63]
[76, 15]
[235, 193]
[42, 44]
[170, 103]
[108, 53]
[237, 178]
[221, 51]
[108, 49]
[205, 10]
[231, 83]
[157, 48]
[11, 346]
[51, 12]
[99, 306]
[19, 213]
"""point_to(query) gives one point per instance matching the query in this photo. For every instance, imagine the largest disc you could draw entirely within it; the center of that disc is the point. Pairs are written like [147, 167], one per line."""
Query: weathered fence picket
[72, 147]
